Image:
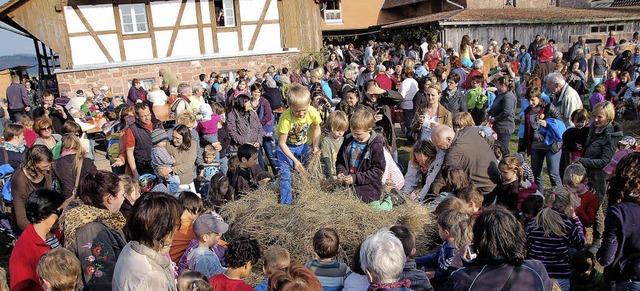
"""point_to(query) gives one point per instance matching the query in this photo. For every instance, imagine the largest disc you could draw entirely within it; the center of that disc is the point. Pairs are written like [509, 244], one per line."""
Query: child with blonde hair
[276, 258]
[59, 270]
[337, 124]
[575, 180]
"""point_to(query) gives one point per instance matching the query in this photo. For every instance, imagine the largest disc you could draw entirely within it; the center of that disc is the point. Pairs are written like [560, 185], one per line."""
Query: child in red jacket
[574, 180]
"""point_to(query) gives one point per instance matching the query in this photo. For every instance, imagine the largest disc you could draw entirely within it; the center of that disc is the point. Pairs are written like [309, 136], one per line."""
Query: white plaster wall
[206, 16]
[138, 49]
[165, 13]
[84, 51]
[250, 10]
[228, 42]
[268, 38]
[189, 15]
[247, 34]
[162, 42]
[208, 41]
[272, 13]
[73, 21]
[110, 42]
[100, 17]
[186, 44]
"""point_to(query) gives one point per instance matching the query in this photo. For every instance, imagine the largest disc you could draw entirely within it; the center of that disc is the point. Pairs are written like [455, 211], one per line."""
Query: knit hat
[158, 135]
[206, 110]
[208, 223]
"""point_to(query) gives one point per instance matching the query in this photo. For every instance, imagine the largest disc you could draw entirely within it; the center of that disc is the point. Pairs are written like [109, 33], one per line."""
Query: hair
[599, 89]
[478, 64]
[71, 127]
[72, 142]
[532, 205]
[458, 224]
[607, 109]
[208, 150]
[580, 115]
[406, 237]
[498, 237]
[246, 151]
[512, 163]
[555, 78]
[276, 258]
[338, 120]
[477, 79]
[94, 187]
[187, 118]
[215, 184]
[498, 149]
[583, 261]
[326, 243]
[153, 217]
[624, 184]
[240, 101]
[41, 123]
[191, 280]
[454, 77]
[298, 96]
[349, 73]
[126, 110]
[533, 92]
[61, 268]
[183, 87]
[35, 155]
[25, 121]
[190, 202]
[217, 108]
[12, 130]
[294, 278]
[382, 255]
[362, 119]
[507, 81]
[450, 203]
[574, 175]
[3, 280]
[141, 106]
[129, 184]
[41, 203]
[463, 119]
[241, 251]
[184, 131]
[424, 147]
[466, 41]
[471, 193]
[556, 200]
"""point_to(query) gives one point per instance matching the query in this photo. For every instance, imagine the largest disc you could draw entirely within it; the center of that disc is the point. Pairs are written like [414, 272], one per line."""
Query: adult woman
[537, 118]
[459, 69]
[262, 108]
[241, 89]
[243, 124]
[503, 110]
[466, 53]
[34, 174]
[184, 150]
[143, 263]
[577, 79]
[425, 162]
[599, 149]
[620, 241]
[43, 208]
[499, 242]
[136, 94]
[43, 126]
[157, 96]
[333, 58]
[382, 258]
[131, 194]
[453, 98]
[421, 96]
[93, 229]
[183, 100]
[72, 165]
[597, 67]
[408, 90]
[431, 113]
[349, 80]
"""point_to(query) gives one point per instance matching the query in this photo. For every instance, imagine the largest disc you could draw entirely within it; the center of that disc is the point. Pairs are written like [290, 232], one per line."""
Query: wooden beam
[152, 31]
[104, 32]
[165, 28]
[256, 32]
[136, 36]
[236, 10]
[272, 21]
[283, 39]
[214, 26]
[119, 31]
[200, 28]
[92, 33]
[176, 27]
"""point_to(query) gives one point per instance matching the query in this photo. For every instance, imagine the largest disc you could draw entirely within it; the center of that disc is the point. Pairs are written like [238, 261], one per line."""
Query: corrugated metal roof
[395, 3]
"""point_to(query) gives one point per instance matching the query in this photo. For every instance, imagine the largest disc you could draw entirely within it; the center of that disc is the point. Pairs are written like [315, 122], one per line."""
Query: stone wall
[118, 79]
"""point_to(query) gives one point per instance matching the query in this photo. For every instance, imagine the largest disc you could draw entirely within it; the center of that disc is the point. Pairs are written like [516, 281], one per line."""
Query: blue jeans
[553, 167]
[268, 145]
[224, 165]
[408, 118]
[301, 153]
[504, 138]
[564, 283]
[628, 286]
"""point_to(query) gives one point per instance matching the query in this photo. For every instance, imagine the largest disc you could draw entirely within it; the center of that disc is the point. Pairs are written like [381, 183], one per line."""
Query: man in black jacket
[56, 112]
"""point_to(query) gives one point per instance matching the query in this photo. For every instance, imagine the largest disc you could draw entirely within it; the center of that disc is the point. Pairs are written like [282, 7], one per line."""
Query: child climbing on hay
[275, 258]
[293, 126]
[361, 160]
[338, 123]
[248, 175]
[418, 278]
[331, 273]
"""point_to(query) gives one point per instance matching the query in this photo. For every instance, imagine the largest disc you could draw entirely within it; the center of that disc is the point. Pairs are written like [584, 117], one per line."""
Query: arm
[325, 158]
[282, 142]
[266, 119]
[25, 97]
[232, 128]
[316, 137]
[577, 238]
[376, 170]
[507, 110]
[604, 159]
[463, 102]
[612, 226]
[19, 192]
[130, 146]
[185, 165]
[428, 260]
[96, 248]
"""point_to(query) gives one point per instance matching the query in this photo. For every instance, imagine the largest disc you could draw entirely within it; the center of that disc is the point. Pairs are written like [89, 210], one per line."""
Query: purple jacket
[532, 276]
[17, 96]
[418, 278]
[620, 251]
[243, 127]
[368, 177]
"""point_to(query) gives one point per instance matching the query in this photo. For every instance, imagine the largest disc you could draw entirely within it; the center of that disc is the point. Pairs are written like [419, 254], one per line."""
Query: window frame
[334, 11]
[133, 15]
[145, 82]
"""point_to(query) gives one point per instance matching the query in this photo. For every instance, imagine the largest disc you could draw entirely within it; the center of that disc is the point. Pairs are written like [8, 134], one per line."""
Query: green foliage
[414, 34]
[320, 56]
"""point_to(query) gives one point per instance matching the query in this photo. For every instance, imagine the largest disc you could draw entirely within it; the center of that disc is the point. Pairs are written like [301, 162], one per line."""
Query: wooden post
[200, 27]
[119, 32]
[256, 32]
[214, 26]
[176, 27]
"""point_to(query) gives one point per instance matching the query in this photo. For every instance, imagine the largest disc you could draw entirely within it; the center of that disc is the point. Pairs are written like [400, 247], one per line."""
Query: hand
[456, 261]
[298, 166]
[257, 145]
[542, 122]
[414, 195]
[28, 108]
[264, 181]
[347, 179]
[217, 146]
[164, 172]
[570, 211]
[430, 274]
[378, 117]
[575, 159]
[492, 119]
[315, 150]
[118, 163]
[138, 101]
[135, 175]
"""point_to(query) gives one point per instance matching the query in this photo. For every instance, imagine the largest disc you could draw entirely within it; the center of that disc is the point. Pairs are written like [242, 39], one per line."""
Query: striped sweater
[553, 250]
[330, 274]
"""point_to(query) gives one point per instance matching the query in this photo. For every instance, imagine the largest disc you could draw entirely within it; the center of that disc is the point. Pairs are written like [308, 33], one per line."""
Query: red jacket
[24, 260]
[587, 209]
[385, 81]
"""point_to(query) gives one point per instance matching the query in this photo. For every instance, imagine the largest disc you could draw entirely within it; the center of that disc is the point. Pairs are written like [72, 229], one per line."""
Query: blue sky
[12, 44]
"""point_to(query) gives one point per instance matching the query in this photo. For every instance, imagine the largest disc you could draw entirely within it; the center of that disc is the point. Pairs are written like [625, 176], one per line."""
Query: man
[533, 49]
[204, 82]
[138, 141]
[168, 80]
[424, 48]
[58, 114]
[565, 98]
[525, 61]
[18, 99]
[468, 150]
[580, 44]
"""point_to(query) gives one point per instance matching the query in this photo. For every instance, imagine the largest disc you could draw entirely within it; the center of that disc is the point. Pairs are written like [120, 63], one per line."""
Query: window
[225, 13]
[134, 18]
[332, 13]
[145, 83]
[605, 28]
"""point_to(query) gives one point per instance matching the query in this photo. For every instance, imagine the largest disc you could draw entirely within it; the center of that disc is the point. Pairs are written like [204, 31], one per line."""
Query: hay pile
[319, 203]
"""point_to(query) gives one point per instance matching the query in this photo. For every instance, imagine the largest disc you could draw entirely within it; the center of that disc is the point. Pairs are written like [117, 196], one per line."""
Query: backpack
[176, 103]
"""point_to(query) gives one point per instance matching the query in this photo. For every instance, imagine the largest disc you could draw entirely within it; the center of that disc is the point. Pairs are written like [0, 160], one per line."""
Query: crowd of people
[152, 222]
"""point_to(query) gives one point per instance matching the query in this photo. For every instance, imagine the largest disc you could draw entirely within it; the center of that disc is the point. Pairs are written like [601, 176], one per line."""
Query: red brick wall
[118, 78]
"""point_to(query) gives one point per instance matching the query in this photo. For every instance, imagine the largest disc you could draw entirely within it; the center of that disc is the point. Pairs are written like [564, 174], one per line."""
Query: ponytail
[556, 200]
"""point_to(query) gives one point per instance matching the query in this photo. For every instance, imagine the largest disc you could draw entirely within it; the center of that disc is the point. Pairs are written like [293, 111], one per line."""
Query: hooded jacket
[368, 177]
[599, 149]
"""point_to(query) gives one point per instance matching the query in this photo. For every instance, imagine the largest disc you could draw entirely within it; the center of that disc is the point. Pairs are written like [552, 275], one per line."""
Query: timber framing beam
[116, 15]
[214, 26]
[200, 27]
[92, 33]
[256, 32]
[236, 10]
[152, 33]
[176, 28]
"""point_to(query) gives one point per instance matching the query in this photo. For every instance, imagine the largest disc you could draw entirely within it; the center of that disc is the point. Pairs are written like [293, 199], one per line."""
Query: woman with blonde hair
[72, 165]
[157, 96]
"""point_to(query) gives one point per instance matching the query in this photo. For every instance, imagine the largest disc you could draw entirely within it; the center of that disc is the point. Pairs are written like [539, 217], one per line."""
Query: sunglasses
[46, 128]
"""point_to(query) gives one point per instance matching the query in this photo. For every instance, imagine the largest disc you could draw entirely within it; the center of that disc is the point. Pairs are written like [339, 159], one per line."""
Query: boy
[207, 170]
[584, 275]
[293, 126]
[248, 175]
[477, 100]
[59, 269]
[472, 196]
[275, 258]
[337, 124]
[574, 138]
[330, 273]
[208, 230]
[575, 180]
[418, 278]
[191, 207]
[160, 158]
[241, 255]
[361, 160]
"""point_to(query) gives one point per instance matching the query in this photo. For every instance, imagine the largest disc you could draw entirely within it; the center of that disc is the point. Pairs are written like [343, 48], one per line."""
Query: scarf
[13, 148]
[75, 218]
[388, 286]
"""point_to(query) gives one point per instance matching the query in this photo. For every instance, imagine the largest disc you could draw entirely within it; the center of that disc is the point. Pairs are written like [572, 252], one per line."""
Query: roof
[625, 3]
[18, 67]
[7, 5]
[395, 3]
[522, 15]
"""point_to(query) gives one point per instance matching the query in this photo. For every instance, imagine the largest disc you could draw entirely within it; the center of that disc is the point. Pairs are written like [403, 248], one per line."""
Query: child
[30, 136]
[392, 176]
[191, 208]
[59, 269]
[597, 96]
[220, 192]
[248, 175]
[208, 230]
[513, 188]
[331, 273]
[358, 279]
[531, 206]
[208, 125]
[574, 138]
[208, 169]
[275, 258]
[611, 85]
[575, 180]
[454, 229]
[293, 127]
[584, 275]
[611, 40]
[553, 231]
[337, 124]
[626, 146]
[160, 158]
[472, 196]
[243, 253]
[361, 160]
[477, 100]
[417, 277]
[193, 281]
[545, 51]
[88, 108]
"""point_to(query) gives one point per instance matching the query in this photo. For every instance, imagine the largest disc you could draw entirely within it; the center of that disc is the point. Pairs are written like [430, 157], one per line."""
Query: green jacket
[476, 99]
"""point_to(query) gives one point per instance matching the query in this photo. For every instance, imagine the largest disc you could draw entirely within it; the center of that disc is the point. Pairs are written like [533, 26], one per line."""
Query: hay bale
[319, 203]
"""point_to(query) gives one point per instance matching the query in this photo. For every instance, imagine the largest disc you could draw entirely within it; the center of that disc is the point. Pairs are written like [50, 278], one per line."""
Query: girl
[466, 54]
[220, 192]
[611, 85]
[553, 231]
[597, 96]
[514, 188]
[575, 180]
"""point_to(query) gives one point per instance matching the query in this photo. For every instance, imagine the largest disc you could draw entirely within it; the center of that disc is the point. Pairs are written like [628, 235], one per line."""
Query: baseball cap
[207, 223]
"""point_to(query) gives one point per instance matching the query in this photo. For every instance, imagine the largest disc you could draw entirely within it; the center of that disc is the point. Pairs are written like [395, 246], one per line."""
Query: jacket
[620, 250]
[550, 111]
[21, 187]
[141, 268]
[503, 110]
[599, 150]
[17, 97]
[274, 96]
[57, 120]
[383, 105]
[444, 117]
[142, 149]
[418, 278]
[368, 177]
[587, 209]
[553, 250]
[532, 276]
[567, 102]
[525, 63]
[185, 160]
[243, 128]
[65, 173]
[454, 102]
[24, 260]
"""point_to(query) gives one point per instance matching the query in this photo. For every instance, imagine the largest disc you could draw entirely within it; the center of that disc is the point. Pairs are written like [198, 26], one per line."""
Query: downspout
[444, 30]
[455, 4]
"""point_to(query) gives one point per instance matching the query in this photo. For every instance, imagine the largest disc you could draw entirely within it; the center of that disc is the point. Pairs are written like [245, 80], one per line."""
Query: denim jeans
[628, 286]
[564, 283]
[268, 145]
[504, 138]
[301, 153]
[224, 165]
[408, 118]
[553, 167]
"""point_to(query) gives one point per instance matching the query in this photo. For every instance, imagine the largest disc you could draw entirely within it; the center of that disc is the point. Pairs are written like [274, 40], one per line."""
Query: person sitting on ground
[59, 270]
[418, 278]
[330, 272]
[242, 254]
[382, 258]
